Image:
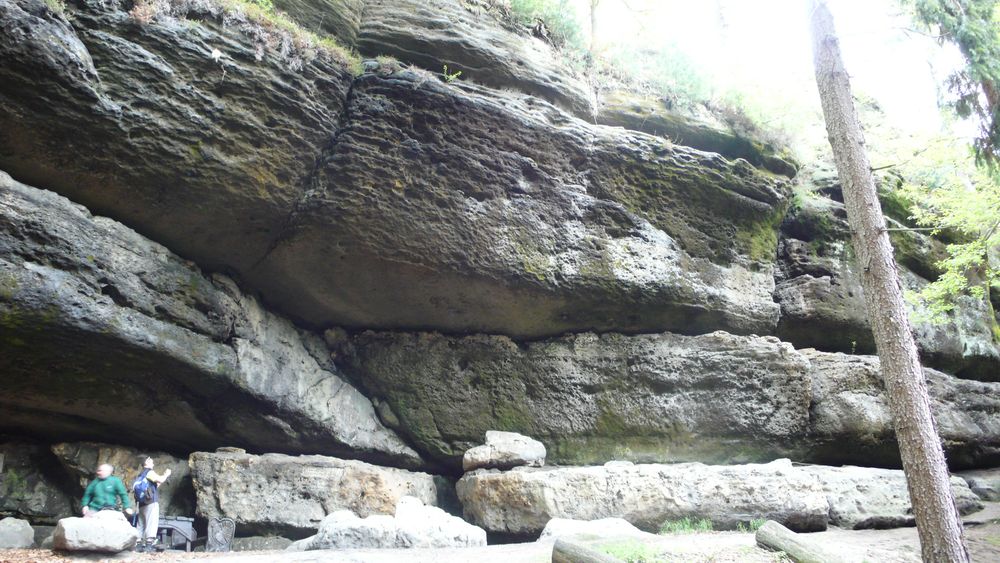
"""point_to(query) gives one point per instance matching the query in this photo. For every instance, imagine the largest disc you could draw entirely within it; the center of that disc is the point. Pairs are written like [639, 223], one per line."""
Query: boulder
[107, 531]
[82, 458]
[261, 543]
[466, 37]
[290, 495]
[985, 483]
[193, 358]
[42, 533]
[16, 534]
[522, 501]
[865, 497]
[602, 528]
[504, 450]
[588, 397]
[31, 485]
[413, 525]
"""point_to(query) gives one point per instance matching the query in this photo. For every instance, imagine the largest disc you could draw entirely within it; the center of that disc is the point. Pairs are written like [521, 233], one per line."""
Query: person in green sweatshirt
[102, 493]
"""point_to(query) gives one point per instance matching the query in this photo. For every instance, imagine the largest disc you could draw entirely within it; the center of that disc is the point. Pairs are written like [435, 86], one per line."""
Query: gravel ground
[886, 546]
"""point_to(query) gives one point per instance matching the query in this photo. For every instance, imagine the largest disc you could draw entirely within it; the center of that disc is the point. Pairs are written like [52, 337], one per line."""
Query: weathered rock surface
[86, 303]
[850, 412]
[504, 450]
[31, 485]
[520, 502]
[17, 534]
[464, 36]
[536, 224]
[339, 18]
[716, 397]
[107, 532]
[43, 533]
[82, 458]
[984, 482]
[650, 115]
[822, 303]
[290, 495]
[261, 543]
[414, 525]
[502, 213]
[602, 528]
[590, 398]
[163, 136]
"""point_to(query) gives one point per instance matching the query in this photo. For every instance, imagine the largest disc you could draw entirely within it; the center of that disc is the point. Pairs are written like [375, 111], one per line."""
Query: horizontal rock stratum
[87, 305]
[410, 203]
[716, 398]
[804, 498]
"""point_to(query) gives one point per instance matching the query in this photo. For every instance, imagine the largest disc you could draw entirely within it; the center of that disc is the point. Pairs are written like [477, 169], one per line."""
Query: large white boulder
[602, 528]
[505, 450]
[276, 493]
[106, 531]
[524, 500]
[414, 525]
[16, 534]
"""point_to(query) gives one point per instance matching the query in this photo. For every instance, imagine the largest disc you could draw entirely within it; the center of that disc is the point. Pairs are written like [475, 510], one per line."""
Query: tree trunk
[927, 478]
[593, 27]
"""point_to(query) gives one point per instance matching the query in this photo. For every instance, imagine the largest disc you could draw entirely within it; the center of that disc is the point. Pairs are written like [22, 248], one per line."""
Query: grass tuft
[271, 31]
[686, 526]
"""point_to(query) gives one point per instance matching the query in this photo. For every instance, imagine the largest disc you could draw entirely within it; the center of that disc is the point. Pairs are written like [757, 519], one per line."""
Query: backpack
[143, 489]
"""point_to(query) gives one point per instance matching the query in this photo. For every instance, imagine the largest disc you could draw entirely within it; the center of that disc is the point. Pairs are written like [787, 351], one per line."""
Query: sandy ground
[885, 546]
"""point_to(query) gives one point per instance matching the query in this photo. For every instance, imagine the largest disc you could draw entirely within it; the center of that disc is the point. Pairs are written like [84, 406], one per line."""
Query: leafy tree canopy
[973, 26]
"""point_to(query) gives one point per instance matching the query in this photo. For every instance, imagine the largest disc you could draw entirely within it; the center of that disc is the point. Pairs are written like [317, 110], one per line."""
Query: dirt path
[886, 546]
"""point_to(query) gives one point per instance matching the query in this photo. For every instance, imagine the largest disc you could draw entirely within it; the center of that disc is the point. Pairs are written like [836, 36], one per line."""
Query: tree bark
[927, 478]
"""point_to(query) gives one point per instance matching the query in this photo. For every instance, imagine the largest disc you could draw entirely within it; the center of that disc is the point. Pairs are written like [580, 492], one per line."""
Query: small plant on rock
[450, 76]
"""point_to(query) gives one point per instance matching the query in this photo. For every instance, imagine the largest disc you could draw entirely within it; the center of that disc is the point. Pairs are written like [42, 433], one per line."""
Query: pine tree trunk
[927, 477]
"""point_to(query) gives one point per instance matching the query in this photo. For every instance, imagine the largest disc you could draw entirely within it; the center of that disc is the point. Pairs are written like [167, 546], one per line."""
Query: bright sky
[764, 46]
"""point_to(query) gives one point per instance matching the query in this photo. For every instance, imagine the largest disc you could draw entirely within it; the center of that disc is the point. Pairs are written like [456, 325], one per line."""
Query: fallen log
[798, 547]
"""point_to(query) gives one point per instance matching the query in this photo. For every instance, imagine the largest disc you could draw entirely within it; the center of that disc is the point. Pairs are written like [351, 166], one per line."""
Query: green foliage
[953, 195]
[271, 30]
[450, 76]
[666, 70]
[632, 551]
[559, 17]
[686, 526]
[751, 526]
[973, 26]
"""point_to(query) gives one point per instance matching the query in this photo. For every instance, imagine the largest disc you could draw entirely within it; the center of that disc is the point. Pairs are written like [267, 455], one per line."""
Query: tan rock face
[275, 493]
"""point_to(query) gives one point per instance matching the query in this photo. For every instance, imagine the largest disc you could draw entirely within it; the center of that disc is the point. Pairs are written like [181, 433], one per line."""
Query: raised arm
[156, 477]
